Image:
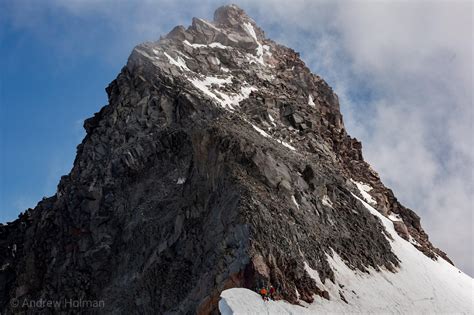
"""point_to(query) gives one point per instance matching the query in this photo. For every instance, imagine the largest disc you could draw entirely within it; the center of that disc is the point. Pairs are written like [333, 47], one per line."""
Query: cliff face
[220, 161]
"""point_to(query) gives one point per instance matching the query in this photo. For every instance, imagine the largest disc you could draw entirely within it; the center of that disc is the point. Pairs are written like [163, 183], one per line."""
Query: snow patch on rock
[266, 135]
[289, 146]
[413, 241]
[259, 51]
[266, 48]
[394, 217]
[182, 55]
[178, 62]
[193, 44]
[211, 45]
[326, 201]
[272, 120]
[227, 100]
[261, 131]
[364, 190]
[295, 202]
[311, 101]
[219, 45]
[204, 86]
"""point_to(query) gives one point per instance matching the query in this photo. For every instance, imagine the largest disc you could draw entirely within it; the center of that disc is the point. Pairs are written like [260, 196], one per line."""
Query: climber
[264, 293]
[272, 292]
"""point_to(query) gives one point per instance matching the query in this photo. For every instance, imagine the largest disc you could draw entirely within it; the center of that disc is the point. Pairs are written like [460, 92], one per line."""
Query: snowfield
[420, 286]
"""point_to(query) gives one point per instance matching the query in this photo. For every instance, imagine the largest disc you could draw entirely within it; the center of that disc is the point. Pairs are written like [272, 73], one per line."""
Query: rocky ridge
[220, 161]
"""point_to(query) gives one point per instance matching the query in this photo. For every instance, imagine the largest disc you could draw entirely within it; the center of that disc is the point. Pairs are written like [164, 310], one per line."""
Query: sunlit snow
[218, 45]
[272, 120]
[311, 101]
[193, 44]
[212, 45]
[326, 201]
[394, 217]
[179, 62]
[294, 201]
[364, 190]
[227, 100]
[261, 131]
[259, 51]
[419, 286]
[266, 135]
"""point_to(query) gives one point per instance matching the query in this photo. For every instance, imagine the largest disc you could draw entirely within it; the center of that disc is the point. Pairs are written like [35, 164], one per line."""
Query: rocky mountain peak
[220, 161]
[232, 62]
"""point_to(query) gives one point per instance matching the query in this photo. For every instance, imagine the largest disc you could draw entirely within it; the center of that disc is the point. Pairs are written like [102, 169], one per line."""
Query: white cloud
[419, 56]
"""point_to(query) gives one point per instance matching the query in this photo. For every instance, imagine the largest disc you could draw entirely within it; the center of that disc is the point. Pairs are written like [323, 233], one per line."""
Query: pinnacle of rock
[230, 15]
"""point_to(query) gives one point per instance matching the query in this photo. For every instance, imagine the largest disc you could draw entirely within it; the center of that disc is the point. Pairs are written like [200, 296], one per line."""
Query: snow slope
[420, 286]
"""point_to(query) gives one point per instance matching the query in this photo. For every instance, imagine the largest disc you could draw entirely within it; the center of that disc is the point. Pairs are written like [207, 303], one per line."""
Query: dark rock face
[220, 161]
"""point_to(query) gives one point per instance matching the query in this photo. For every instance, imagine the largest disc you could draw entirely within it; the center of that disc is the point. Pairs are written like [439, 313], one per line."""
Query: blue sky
[44, 96]
[402, 70]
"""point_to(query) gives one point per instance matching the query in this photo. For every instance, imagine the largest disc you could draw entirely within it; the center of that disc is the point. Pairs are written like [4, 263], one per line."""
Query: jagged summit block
[221, 164]
[230, 15]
